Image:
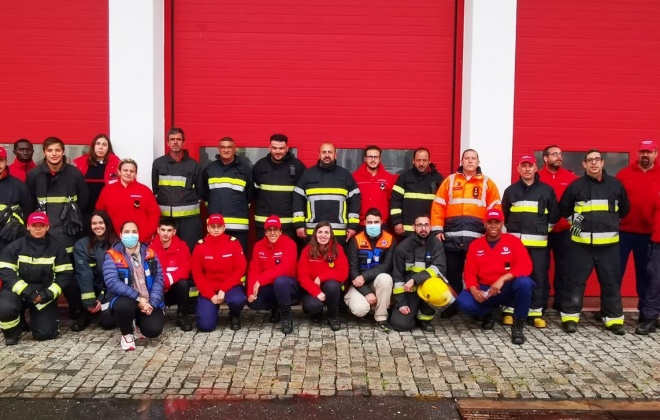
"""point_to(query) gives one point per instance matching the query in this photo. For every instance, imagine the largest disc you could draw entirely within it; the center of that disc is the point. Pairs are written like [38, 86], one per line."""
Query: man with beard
[58, 189]
[595, 202]
[457, 215]
[275, 176]
[327, 192]
[559, 239]
[418, 258]
[375, 184]
[497, 272]
[177, 184]
[413, 193]
[23, 150]
[638, 179]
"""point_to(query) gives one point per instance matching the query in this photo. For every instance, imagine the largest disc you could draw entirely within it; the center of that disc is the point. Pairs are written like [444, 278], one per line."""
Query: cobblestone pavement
[259, 362]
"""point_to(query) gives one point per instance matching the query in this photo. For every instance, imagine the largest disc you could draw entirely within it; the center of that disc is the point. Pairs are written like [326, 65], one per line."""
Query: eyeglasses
[556, 154]
[593, 160]
[422, 225]
[372, 157]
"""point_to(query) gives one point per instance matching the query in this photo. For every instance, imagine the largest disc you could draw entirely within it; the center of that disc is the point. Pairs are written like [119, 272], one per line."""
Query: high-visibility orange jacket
[459, 208]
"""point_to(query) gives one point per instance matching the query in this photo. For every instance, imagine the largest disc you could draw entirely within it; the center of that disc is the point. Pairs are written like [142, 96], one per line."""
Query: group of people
[121, 251]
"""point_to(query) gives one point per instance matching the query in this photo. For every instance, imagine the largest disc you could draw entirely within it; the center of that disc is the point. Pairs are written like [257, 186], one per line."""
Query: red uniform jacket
[376, 191]
[20, 169]
[484, 265]
[134, 202]
[639, 186]
[218, 264]
[175, 260]
[110, 176]
[270, 261]
[309, 269]
[559, 181]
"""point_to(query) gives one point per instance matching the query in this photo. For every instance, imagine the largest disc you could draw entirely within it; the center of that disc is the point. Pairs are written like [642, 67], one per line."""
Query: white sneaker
[127, 342]
[137, 333]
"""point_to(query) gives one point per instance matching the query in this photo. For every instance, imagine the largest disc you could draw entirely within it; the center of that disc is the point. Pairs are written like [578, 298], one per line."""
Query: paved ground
[259, 362]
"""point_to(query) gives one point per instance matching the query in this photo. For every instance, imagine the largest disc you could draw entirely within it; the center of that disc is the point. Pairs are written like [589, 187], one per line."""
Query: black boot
[275, 315]
[182, 320]
[12, 335]
[488, 321]
[333, 318]
[646, 327]
[517, 336]
[287, 319]
[80, 321]
[234, 323]
[425, 326]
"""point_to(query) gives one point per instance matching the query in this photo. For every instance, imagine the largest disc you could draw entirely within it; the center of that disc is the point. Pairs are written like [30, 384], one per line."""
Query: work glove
[14, 227]
[5, 215]
[576, 228]
[72, 225]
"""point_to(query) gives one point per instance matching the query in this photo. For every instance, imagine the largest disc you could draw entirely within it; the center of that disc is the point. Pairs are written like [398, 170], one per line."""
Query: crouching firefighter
[35, 269]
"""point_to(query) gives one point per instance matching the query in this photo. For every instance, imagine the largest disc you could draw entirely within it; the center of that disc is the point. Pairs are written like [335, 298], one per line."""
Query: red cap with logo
[38, 217]
[273, 222]
[3, 153]
[216, 219]
[647, 145]
[494, 214]
[527, 159]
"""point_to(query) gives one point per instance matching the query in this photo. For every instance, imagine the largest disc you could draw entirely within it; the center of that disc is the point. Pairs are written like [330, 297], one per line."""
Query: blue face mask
[373, 230]
[129, 239]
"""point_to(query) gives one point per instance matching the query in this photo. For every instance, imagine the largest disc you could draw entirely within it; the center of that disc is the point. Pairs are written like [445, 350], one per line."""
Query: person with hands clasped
[322, 271]
[497, 270]
[134, 278]
[219, 273]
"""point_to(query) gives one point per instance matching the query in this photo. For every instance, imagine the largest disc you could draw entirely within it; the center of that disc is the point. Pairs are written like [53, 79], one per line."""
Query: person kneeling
[134, 278]
[497, 269]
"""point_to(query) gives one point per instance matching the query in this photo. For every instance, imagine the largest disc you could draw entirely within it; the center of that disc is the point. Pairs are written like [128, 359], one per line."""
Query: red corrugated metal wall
[587, 75]
[53, 70]
[353, 73]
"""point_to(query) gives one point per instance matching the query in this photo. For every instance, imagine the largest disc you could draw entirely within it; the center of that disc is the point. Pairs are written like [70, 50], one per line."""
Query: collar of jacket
[537, 179]
[329, 168]
[363, 169]
[594, 180]
[287, 157]
[478, 173]
[430, 171]
[43, 166]
[184, 157]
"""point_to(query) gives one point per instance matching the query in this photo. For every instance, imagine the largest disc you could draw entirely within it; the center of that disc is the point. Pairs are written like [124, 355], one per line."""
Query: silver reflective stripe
[338, 226]
[440, 201]
[326, 197]
[466, 201]
[219, 185]
[460, 233]
[235, 226]
[300, 191]
[352, 193]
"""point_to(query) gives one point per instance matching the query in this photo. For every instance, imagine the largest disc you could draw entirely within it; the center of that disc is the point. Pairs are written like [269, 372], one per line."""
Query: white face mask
[129, 239]
[373, 230]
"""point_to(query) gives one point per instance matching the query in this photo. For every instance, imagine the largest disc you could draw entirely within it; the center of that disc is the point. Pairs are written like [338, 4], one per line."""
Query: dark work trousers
[332, 290]
[242, 237]
[651, 309]
[178, 294]
[44, 322]
[418, 310]
[455, 266]
[283, 292]
[125, 310]
[560, 244]
[540, 265]
[189, 229]
[582, 260]
[516, 293]
[206, 313]
[72, 294]
[106, 319]
[640, 245]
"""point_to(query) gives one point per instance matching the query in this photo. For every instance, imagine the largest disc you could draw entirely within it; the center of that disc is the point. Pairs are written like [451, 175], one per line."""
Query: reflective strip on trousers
[10, 324]
[180, 211]
[536, 312]
[570, 317]
[423, 317]
[613, 321]
[193, 292]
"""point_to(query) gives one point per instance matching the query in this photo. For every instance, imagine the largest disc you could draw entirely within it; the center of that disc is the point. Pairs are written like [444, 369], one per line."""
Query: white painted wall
[137, 97]
[489, 55]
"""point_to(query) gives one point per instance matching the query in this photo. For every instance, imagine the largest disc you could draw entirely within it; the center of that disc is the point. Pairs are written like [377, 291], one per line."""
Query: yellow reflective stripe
[86, 296]
[507, 310]
[298, 219]
[408, 228]
[193, 292]
[8, 265]
[535, 312]
[63, 267]
[284, 188]
[10, 324]
[42, 261]
[19, 287]
[532, 240]
[602, 238]
[180, 211]
[353, 220]
[56, 289]
[396, 211]
[92, 264]
[171, 181]
[570, 317]
[423, 317]
[524, 206]
[227, 180]
[236, 221]
[57, 200]
[3, 206]
[418, 196]
[332, 191]
[398, 189]
[613, 321]
[69, 249]
[532, 243]
[282, 219]
[40, 306]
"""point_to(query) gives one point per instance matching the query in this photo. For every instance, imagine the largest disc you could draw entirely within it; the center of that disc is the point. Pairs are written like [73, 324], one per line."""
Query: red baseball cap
[216, 219]
[38, 217]
[527, 159]
[494, 214]
[3, 153]
[273, 222]
[645, 145]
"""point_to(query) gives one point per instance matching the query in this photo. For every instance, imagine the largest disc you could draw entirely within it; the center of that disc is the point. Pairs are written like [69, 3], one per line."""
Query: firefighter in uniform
[327, 192]
[59, 189]
[375, 184]
[14, 201]
[35, 269]
[593, 204]
[530, 211]
[177, 184]
[275, 176]
[418, 258]
[457, 215]
[413, 193]
[228, 190]
[370, 255]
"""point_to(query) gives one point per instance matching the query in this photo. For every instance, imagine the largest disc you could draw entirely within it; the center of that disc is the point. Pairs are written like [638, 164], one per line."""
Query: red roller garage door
[353, 73]
[587, 75]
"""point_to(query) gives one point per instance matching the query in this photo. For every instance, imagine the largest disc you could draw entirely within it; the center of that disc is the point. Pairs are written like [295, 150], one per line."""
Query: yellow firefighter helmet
[436, 292]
